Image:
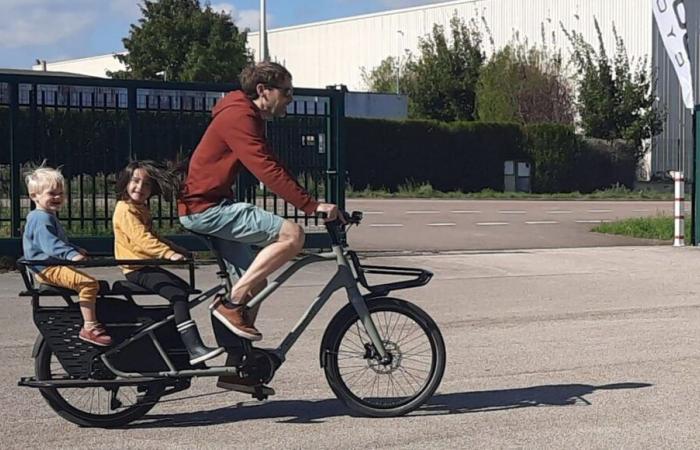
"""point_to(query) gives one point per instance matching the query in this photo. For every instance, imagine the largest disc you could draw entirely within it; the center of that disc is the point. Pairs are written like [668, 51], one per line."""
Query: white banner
[671, 20]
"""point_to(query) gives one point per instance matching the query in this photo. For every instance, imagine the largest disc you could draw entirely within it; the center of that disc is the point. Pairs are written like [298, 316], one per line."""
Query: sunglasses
[286, 91]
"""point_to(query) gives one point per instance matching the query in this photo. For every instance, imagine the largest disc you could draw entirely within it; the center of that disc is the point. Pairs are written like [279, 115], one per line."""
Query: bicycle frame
[343, 278]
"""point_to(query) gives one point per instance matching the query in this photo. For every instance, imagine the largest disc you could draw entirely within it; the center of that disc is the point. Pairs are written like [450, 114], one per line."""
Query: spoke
[408, 372]
[411, 351]
[408, 381]
[391, 334]
[360, 347]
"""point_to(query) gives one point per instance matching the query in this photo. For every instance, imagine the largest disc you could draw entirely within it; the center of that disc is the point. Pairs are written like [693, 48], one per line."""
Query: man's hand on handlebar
[330, 211]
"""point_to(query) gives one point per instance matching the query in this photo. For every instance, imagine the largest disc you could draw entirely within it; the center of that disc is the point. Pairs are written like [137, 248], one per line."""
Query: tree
[180, 41]
[383, 77]
[525, 85]
[615, 100]
[441, 83]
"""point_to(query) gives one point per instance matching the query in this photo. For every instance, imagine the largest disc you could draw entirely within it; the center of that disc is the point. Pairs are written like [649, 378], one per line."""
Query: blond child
[134, 238]
[45, 239]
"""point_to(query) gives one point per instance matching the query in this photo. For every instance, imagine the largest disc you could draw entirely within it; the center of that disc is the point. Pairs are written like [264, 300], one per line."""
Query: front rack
[421, 277]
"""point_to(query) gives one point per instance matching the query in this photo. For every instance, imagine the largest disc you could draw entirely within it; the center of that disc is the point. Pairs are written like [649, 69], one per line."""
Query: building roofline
[367, 16]
[86, 58]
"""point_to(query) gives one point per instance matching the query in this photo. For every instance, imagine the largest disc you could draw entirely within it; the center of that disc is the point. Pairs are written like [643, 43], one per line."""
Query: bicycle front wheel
[358, 376]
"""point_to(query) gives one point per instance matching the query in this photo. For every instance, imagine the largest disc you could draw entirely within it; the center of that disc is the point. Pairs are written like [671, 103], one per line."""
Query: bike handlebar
[337, 227]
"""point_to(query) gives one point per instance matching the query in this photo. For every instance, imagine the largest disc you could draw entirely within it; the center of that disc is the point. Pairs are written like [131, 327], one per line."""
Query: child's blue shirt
[45, 239]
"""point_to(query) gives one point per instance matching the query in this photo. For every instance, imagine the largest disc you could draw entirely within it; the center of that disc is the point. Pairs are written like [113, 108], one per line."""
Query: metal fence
[92, 127]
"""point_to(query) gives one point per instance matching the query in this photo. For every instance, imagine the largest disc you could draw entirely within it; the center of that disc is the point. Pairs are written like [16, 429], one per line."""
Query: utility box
[516, 176]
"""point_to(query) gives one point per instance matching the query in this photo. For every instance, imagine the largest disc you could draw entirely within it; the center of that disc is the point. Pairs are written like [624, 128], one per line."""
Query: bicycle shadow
[315, 411]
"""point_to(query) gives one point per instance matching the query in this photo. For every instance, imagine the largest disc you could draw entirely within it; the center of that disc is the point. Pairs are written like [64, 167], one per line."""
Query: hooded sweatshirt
[236, 138]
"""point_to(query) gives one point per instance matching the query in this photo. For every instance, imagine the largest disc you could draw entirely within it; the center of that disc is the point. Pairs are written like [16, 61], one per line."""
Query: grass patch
[426, 190]
[658, 227]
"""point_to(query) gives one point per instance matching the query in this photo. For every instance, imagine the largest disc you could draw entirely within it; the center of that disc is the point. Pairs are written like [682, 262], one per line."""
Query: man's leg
[270, 258]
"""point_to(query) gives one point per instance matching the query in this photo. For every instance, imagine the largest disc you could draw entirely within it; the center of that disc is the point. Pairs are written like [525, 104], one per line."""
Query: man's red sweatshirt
[236, 138]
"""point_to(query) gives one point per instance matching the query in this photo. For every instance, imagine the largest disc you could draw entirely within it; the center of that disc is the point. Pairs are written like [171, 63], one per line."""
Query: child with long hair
[134, 238]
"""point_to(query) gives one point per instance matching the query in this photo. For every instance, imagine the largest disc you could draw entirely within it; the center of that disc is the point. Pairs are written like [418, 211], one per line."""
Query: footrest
[80, 383]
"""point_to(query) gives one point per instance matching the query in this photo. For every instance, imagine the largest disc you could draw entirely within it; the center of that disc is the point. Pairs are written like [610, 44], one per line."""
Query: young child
[45, 239]
[135, 239]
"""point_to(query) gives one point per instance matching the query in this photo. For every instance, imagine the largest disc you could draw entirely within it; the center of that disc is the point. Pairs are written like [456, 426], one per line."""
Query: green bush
[552, 149]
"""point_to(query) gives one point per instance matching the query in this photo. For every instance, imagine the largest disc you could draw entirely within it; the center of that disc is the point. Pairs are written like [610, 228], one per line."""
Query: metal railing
[92, 127]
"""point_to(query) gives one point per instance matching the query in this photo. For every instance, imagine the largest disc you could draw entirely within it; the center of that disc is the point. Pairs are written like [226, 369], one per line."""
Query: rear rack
[421, 277]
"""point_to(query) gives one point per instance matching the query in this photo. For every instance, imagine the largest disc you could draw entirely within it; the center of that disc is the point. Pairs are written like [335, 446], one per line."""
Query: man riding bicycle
[235, 139]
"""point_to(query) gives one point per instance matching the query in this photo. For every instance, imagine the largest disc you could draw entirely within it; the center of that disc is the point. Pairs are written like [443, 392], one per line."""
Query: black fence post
[133, 118]
[335, 173]
[14, 161]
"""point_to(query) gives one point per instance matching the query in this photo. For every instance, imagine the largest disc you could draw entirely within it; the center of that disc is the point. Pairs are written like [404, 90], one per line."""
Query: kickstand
[259, 394]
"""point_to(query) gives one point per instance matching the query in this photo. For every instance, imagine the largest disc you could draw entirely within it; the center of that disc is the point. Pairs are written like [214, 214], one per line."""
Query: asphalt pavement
[547, 348]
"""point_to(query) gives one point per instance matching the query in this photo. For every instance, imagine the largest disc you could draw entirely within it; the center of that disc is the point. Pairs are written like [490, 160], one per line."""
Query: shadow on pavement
[315, 411]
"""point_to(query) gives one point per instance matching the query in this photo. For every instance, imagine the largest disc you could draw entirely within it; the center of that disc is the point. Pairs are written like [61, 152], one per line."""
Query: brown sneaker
[236, 383]
[236, 319]
[96, 335]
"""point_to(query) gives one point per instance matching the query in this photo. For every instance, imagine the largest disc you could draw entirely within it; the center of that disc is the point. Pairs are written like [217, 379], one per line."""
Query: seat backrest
[211, 242]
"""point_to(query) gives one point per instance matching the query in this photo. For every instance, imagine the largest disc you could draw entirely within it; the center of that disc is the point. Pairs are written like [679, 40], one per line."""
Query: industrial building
[336, 51]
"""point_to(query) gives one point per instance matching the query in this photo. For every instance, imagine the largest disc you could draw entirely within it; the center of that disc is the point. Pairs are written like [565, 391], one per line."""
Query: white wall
[96, 66]
[333, 52]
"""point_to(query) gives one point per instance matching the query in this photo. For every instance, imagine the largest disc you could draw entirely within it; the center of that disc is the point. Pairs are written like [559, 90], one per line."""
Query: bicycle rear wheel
[360, 379]
[93, 406]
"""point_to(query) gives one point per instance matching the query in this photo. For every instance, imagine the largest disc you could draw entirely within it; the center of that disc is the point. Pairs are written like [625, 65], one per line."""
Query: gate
[92, 127]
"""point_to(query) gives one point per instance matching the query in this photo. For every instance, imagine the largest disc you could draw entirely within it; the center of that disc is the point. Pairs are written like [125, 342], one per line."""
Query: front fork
[358, 302]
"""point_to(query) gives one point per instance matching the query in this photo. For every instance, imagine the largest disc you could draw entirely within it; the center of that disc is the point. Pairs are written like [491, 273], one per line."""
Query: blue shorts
[238, 226]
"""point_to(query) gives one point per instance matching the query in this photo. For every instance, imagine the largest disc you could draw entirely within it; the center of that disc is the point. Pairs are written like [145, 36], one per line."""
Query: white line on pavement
[541, 222]
[512, 212]
[640, 210]
[384, 225]
[445, 224]
[422, 212]
[486, 224]
[599, 210]
[558, 211]
[592, 221]
[369, 213]
[465, 212]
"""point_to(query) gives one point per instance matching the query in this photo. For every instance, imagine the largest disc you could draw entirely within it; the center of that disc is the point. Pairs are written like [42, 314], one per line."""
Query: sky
[55, 30]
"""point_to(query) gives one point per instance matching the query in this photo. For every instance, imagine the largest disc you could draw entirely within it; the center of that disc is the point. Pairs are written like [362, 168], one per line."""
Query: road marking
[640, 210]
[541, 222]
[446, 224]
[383, 225]
[592, 221]
[369, 213]
[466, 212]
[422, 212]
[512, 212]
[486, 224]
[599, 210]
[558, 211]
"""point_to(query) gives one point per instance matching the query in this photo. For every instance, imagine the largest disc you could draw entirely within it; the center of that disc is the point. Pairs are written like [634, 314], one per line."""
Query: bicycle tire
[46, 369]
[391, 317]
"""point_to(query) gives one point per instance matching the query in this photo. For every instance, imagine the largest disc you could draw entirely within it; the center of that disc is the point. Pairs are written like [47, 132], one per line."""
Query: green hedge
[469, 156]
[463, 156]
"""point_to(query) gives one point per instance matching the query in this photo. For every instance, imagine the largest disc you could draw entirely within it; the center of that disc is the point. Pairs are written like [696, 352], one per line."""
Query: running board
[78, 383]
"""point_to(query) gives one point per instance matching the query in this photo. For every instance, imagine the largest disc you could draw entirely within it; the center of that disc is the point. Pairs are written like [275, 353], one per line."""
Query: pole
[695, 223]
[264, 55]
[398, 62]
[678, 207]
